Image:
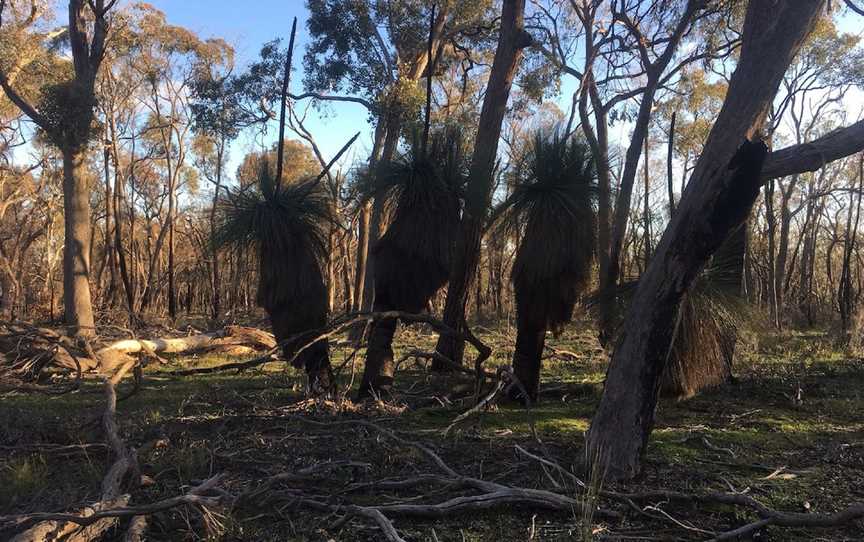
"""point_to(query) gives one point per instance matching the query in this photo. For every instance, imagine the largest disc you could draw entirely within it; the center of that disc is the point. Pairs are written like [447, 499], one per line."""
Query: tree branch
[811, 156]
[330, 98]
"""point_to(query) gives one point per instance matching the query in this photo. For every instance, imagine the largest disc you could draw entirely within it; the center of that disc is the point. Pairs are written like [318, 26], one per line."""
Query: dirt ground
[788, 432]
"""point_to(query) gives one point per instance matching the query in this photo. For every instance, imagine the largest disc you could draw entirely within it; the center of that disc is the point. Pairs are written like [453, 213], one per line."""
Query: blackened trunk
[378, 375]
[527, 360]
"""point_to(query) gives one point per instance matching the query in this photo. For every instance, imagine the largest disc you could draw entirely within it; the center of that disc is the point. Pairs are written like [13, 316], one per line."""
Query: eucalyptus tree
[378, 52]
[64, 110]
[810, 99]
[170, 60]
[629, 52]
[219, 116]
[512, 40]
[725, 183]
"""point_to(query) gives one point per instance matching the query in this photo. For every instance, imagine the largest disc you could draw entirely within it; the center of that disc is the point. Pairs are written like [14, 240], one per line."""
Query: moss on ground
[790, 431]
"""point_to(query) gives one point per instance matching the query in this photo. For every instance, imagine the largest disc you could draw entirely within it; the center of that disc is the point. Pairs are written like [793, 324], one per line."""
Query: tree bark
[670, 150]
[654, 72]
[771, 221]
[783, 246]
[77, 305]
[512, 39]
[8, 296]
[362, 254]
[722, 190]
[214, 250]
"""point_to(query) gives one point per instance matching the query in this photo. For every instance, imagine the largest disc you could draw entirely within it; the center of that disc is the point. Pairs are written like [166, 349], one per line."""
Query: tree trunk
[118, 237]
[8, 295]
[771, 220]
[598, 141]
[214, 251]
[110, 258]
[646, 210]
[722, 190]
[653, 72]
[527, 360]
[378, 376]
[172, 286]
[362, 254]
[78, 308]
[366, 280]
[669, 155]
[845, 295]
[511, 41]
[783, 246]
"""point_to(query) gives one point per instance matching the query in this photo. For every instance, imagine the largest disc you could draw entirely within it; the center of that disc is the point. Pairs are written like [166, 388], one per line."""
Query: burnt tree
[722, 190]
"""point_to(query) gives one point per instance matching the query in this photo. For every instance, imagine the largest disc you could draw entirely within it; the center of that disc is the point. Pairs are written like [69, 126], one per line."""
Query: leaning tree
[718, 199]
[413, 256]
[552, 205]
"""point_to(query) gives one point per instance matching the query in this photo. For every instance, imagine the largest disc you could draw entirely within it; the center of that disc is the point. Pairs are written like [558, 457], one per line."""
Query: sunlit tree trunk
[77, 305]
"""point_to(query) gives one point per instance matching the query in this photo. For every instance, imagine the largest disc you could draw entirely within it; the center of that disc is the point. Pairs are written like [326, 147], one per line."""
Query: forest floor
[789, 432]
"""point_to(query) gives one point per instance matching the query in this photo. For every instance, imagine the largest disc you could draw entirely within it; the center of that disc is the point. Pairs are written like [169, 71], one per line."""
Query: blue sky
[248, 25]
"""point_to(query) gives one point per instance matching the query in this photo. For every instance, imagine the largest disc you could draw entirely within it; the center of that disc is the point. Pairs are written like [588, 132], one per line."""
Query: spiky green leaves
[552, 208]
[289, 228]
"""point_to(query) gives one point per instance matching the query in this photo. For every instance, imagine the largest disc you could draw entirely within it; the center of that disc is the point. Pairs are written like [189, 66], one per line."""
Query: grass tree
[413, 256]
[706, 331]
[288, 225]
[552, 210]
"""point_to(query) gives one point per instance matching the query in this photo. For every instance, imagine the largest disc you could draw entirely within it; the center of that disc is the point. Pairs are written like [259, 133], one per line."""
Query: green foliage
[369, 47]
[68, 109]
[288, 225]
[422, 190]
[552, 207]
[343, 53]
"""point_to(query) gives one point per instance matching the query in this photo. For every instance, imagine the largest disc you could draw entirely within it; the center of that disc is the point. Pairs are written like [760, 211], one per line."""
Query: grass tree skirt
[412, 258]
[286, 321]
[709, 321]
[704, 347]
[527, 360]
[551, 210]
[289, 226]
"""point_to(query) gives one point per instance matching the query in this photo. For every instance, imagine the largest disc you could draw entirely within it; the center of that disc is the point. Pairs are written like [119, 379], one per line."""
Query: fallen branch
[767, 515]
[193, 497]
[231, 337]
[120, 476]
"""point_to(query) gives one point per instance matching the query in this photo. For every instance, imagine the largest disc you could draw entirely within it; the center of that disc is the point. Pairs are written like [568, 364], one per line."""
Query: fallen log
[28, 349]
[232, 339]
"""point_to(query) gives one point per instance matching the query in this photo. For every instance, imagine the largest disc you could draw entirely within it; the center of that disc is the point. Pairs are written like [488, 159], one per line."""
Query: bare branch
[815, 154]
